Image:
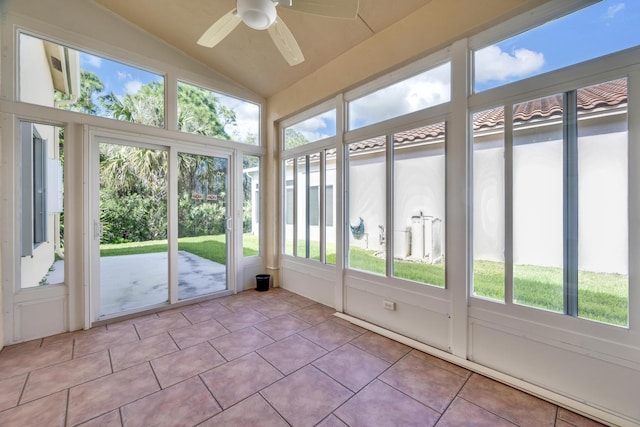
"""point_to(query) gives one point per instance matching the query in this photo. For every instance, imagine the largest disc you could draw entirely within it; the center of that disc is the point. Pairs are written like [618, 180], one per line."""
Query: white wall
[538, 198]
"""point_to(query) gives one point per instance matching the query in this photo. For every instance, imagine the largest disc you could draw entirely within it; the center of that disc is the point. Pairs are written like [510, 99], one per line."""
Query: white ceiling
[248, 56]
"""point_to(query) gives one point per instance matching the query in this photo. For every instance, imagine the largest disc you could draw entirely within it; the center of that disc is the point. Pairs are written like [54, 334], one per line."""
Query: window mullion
[307, 206]
[570, 216]
[508, 203]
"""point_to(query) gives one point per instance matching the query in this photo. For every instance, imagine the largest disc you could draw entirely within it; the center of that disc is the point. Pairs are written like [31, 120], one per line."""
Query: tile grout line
[444, 411]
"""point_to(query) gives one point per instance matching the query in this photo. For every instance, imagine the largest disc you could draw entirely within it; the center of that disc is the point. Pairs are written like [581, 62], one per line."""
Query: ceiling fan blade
[285, 42]
[220, 29]
[347, 9]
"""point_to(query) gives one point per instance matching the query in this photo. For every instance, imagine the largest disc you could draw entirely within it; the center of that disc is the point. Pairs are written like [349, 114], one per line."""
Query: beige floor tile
[575, 419]
[10, 390]
[463, 413]
[331, 421]
[242, 342]
[282, 326]
[159, 325]
[182, 405]
[425, 382]
[89, 400]
[455, 369]
[253, 411]
[130, 354]
[103, 340]
[181, 365]
[45, 381]
[329, 335]
[380, 346]
[110, 419]
[305, 397]
[511, 404]
[48, 411]
[239, 379]
[205, 311]
[314, 314]
[200, 332]
[381, 405]
[241, 319]
[20, 361]
[70, 336]
[351, 367]
[274, 308]
[291, 353]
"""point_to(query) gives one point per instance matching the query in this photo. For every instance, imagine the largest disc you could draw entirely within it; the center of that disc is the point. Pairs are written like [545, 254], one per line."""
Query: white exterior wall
[602, 184]
[38, 89]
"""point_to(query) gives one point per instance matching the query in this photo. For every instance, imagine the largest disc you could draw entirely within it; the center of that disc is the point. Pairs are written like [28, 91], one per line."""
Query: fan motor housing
[257, 14]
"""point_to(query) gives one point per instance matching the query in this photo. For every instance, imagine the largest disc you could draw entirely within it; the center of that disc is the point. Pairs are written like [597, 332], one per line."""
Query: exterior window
[305, 234]
[42, 222]
[89, 84]
[488, 204]
[289, 205]
[419, 204]
[314, 129]
[204, 112]
[612, 24]
[602, 207]
[432, 87]
[569, 178]
[251, 205]
[367, 205]
[330, 205]
[538, 203]
[302, 185]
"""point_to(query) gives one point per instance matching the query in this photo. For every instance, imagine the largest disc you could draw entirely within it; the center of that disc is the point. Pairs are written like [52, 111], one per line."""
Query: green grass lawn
[213, 248]
[601, 296]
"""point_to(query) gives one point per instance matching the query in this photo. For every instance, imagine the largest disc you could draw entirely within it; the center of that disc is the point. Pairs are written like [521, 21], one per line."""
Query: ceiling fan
[262, 15]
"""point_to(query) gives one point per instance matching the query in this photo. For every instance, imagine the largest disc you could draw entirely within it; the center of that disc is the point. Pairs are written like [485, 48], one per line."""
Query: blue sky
[608, 26]
[122, 79]
[603, 28]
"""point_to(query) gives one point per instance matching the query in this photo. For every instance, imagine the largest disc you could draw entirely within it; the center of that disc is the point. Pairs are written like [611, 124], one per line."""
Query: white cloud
[124, 76]
[492, 63]
[430, 88]
[613, 10]
[132, 86]
[93, 61]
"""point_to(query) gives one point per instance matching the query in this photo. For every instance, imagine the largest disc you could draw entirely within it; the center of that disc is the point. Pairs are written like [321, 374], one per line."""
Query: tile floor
[257, 358]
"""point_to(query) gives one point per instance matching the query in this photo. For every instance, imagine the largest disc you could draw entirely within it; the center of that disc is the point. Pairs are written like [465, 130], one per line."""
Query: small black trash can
[262, 282]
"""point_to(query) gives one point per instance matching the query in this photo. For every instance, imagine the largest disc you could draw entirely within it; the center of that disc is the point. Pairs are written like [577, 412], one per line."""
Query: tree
[90, 87]
[293, 138]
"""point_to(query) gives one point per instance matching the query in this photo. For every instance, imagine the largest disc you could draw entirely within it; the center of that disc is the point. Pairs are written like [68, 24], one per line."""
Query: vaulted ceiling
[249, 56]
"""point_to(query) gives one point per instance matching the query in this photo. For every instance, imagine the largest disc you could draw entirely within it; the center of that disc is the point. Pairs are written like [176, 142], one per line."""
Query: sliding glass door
[160, 226]
[202, 224]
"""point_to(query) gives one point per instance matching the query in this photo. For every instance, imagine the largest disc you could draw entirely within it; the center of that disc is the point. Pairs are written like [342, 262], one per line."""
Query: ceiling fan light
[257, 14]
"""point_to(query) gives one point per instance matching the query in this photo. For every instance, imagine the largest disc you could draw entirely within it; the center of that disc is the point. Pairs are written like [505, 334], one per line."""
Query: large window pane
[603, 225]
[41, 213]
[419, 204]
[250, 205]
[89, 84]
[612, 26]
[538, 203]
[202, 218]
[289, 173]
[330, 206]
[301, 204]
[205, 112]
[133, 213]
[367, 205]
[427, 89]
[488, 204]
[314, 129]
